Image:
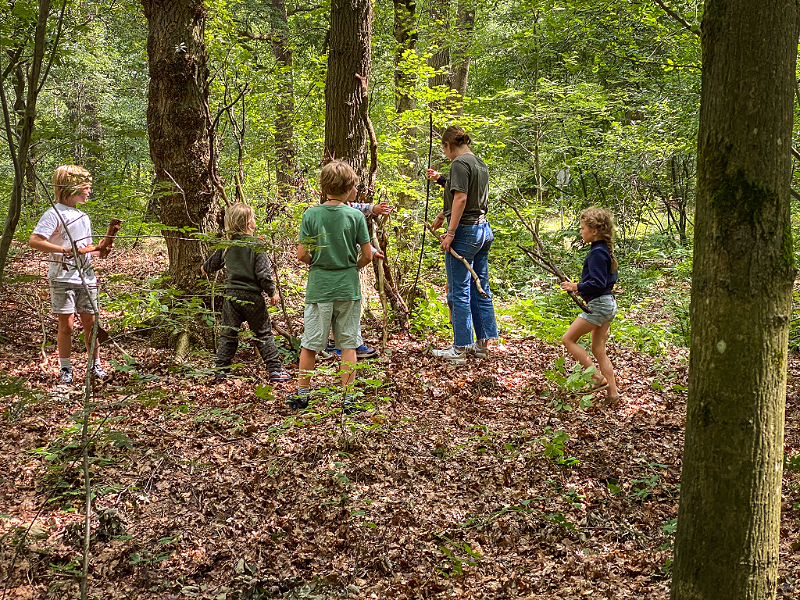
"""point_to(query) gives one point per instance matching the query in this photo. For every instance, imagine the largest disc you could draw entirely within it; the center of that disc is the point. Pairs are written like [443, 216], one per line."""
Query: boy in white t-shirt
[65, 233]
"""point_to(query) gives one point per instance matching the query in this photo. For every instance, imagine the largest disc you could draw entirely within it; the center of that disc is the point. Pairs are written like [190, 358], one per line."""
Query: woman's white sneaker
[451, 354]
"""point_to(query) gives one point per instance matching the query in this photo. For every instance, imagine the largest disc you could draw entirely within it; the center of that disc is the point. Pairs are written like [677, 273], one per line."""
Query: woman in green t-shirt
[466, 202]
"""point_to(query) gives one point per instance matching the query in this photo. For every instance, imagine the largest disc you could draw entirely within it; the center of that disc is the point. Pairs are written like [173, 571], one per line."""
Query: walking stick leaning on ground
[457, 256]
[542, 259]
[104, 247]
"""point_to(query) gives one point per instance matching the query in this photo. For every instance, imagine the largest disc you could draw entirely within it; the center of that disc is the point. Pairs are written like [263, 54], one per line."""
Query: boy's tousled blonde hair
[603, 221]
[337, 177]
[237, 218]
[68, 179]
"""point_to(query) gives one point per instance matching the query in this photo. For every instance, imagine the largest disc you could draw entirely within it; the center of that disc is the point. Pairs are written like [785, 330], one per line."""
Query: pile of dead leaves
[479, 481]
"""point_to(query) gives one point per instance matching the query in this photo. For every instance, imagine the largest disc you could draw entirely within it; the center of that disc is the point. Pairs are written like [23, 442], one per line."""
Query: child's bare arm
[366, 255]
[303, 255]
[38, 242]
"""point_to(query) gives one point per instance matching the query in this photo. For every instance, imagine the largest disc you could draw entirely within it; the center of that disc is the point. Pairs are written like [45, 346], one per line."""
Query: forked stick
[107, 243]
[543, 260]
[462, 259]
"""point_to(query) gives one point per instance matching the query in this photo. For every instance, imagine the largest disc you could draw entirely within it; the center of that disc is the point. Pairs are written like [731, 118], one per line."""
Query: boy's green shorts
[344, 316]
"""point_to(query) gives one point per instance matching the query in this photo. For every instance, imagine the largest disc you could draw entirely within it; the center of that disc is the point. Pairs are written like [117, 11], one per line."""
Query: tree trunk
[349, 55]
[178, 124]
[405, 80]
[728, 521]
[19, 154]
[284, 129]
[440, 59]
[460, 56]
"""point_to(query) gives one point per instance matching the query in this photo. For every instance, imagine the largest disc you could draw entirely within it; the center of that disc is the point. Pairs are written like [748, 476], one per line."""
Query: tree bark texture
[460, 55]
[284, 116]
[439, 61]
[728, 521]
[28, 117]
[405, 35]
[178, 124]
[349, 55]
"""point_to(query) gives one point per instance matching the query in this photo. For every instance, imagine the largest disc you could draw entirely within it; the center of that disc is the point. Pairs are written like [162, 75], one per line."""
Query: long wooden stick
[462, 259]
[543, 259]
[107, 243]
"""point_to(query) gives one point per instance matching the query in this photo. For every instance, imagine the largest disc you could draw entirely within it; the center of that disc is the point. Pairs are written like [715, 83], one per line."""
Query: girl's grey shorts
[604, 309]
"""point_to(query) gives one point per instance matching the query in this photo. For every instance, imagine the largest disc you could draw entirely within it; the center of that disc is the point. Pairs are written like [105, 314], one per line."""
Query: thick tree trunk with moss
[728, 522]
[349, 55]
[178, 122]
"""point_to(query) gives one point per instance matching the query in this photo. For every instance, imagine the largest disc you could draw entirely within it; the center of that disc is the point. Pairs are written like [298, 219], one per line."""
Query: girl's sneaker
[452, 355]
[66, 375]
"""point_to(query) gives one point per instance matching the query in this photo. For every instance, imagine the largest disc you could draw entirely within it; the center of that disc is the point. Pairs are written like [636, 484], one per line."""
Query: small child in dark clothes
[248, 275]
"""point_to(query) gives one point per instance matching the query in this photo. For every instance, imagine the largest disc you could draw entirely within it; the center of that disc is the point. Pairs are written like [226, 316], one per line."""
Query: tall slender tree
[179, 128]
[405, 80]
[284, 117]
[19, 147]
[728, 521]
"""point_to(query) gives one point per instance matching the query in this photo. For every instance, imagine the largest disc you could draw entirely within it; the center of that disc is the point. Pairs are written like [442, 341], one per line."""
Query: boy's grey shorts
[69, 298]
[604, 309]
[343, 315]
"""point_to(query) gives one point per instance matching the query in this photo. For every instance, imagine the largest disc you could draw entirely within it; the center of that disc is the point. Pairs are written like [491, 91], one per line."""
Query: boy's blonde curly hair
[237, 218]
[603, 221]
[68, 179]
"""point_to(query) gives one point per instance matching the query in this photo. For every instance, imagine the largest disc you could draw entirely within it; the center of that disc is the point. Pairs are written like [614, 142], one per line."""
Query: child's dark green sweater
[247, 269]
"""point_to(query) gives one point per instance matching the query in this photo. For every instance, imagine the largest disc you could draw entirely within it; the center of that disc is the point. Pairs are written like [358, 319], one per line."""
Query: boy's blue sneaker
[66, 375]
[362, 352]
[365, 352]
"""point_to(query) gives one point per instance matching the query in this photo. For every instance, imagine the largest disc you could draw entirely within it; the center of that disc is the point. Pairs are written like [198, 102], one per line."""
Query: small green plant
[432, 315]
[21, 396]
[147, 558]
[221, 418]
[646, 486]
[573, 384]
[553, 443]
[455, 557]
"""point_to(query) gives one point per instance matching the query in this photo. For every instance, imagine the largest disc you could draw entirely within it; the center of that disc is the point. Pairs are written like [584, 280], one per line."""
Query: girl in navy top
[597, 284]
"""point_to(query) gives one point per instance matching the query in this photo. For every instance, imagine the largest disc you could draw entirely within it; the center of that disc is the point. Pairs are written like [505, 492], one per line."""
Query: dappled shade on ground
[460, 482]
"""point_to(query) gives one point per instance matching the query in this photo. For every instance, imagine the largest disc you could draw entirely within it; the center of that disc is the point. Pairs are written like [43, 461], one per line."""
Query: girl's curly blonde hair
[603, 221]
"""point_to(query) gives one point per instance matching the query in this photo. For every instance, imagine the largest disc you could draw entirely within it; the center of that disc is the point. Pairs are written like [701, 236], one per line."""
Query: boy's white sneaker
[98, 372]
[451, 354]
[477, 351]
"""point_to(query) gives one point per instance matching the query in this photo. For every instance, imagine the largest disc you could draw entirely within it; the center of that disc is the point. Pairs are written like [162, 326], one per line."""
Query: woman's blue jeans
[470, 309]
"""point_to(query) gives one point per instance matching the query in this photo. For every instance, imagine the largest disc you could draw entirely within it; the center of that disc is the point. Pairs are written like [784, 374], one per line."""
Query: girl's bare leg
[579, 328]
[599, 339]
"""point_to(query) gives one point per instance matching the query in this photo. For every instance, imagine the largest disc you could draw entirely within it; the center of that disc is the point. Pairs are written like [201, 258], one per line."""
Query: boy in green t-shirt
[333, 231]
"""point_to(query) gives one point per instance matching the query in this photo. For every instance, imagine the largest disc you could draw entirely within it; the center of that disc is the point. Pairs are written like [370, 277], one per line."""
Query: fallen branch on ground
[462, 259]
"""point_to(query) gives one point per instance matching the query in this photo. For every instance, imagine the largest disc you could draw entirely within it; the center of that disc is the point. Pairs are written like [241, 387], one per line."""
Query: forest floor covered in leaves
[459, 481]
